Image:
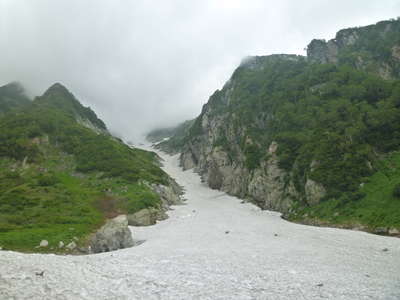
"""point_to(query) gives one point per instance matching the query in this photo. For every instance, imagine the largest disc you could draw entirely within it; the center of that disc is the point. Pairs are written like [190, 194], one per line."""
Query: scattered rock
[385, 250]
[71, 246]
[115, 234]
[226, 232]
[367, 275]
[39, 273]
[381, 230]
[75, 238]
[336, 214]
[193, 211]
[320, 284]
[61, 244]
[275, 234]
[44, 243]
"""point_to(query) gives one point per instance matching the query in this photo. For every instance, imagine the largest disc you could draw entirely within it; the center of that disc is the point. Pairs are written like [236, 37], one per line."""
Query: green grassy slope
[378, 208]
[60, 180]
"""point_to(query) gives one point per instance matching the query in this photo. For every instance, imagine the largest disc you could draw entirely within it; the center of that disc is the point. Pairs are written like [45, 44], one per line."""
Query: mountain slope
[57, 96]
[61, 180]
[170, 140]
[306, 137]
[12, 96]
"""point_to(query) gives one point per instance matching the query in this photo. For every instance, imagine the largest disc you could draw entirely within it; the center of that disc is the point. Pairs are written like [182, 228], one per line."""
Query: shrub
[47, 180]
[396, 191]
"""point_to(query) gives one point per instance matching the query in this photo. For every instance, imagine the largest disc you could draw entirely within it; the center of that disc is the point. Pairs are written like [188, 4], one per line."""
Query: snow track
[215, 247]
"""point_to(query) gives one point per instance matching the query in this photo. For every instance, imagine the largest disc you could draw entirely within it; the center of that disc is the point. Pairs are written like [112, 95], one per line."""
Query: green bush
[396, 191]
[47, 180]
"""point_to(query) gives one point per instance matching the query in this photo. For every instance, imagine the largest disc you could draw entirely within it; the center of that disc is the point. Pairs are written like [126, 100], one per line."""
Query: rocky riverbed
[215, 247]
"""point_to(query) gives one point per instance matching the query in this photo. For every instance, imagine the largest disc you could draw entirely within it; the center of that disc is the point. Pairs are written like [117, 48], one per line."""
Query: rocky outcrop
[88, 124]
[314, 192]
[114, 235]
[266, 185]
[358, 47]
[169, 195]
[320, 51]
[222, 165]
[146, 217]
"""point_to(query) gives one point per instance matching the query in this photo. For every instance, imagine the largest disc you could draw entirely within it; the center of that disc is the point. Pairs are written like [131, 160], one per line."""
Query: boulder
[61, 244]
[394, 231]
[144, 217]
[44, 243]
[114, 235]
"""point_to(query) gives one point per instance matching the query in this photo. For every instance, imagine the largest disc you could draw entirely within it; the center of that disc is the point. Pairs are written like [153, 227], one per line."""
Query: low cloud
[143, 64]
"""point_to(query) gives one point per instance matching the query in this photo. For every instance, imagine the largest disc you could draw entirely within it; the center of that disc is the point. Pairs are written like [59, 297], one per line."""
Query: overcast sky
[142, 64]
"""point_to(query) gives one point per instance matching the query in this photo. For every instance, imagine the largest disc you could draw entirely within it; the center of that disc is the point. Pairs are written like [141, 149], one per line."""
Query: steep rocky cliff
[220, 148]
[305, 135]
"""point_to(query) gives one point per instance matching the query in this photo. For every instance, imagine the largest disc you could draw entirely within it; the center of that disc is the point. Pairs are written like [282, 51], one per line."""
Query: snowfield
[215, 247]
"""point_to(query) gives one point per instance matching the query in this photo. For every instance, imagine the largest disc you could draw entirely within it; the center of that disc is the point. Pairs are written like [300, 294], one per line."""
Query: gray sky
[142, 64]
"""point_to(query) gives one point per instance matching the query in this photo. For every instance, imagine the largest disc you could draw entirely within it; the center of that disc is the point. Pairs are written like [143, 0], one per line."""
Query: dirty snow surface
[215, 247]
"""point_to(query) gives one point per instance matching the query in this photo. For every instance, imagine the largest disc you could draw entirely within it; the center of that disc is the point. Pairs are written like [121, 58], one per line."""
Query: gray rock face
[169, 194]
[396, 52]
[266, 185]
[320, 51]
[314, 192]
[115, 234]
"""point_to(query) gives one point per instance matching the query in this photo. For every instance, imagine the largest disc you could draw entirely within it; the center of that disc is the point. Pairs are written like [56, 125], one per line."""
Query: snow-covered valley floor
[215, 247]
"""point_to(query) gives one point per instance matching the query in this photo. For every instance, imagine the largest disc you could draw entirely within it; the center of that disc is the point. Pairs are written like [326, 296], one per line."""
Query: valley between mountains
[214, 246]
[219, 206]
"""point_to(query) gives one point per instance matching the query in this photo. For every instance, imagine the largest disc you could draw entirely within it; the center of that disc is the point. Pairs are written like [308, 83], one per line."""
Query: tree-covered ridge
[57, 174]
[333, 114]
[93, 152]
[374, 48]
[12, 96]
[333, 123]
[57, 96]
